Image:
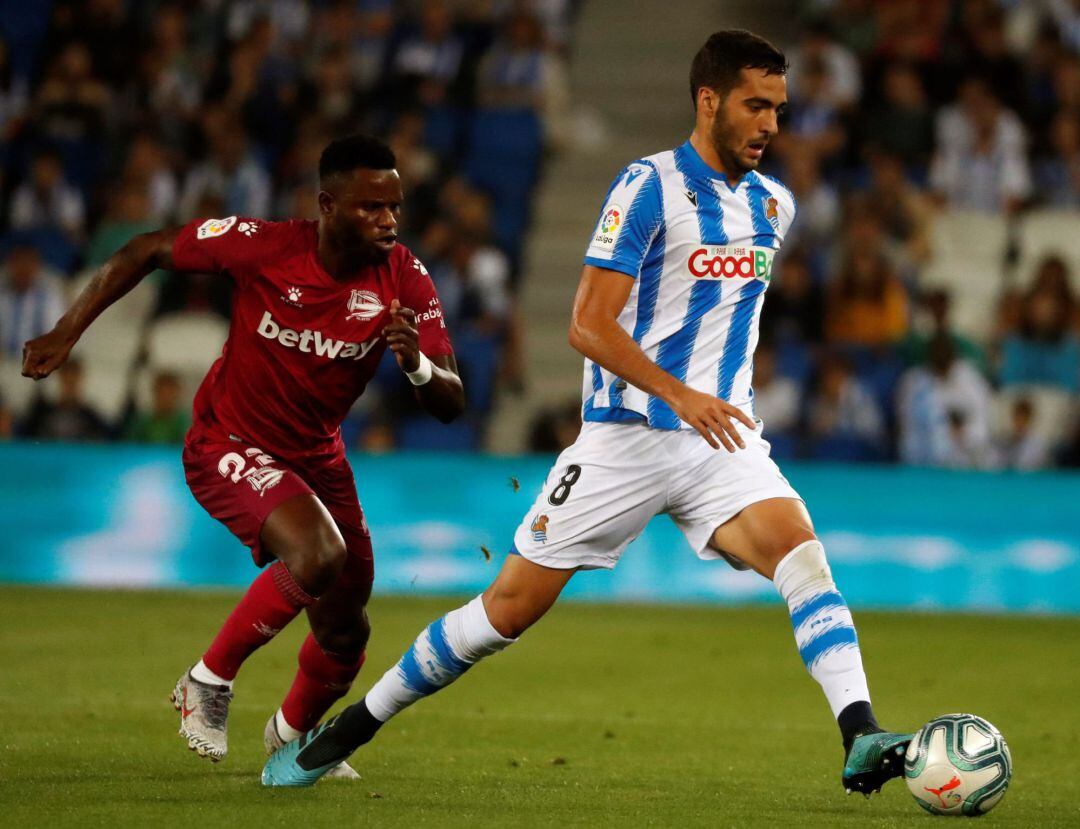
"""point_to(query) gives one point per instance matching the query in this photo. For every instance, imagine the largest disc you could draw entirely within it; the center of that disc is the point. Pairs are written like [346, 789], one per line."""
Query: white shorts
[606, 487]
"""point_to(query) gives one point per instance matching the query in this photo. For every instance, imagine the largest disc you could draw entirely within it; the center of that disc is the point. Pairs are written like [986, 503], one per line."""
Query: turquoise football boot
[874, 759]
[284, 769]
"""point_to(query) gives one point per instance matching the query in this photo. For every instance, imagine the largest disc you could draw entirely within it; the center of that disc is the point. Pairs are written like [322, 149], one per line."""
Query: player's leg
[598, 496]
[521, 594]
[274, 512]
[310, 554]
[776, 538]
[333, 653]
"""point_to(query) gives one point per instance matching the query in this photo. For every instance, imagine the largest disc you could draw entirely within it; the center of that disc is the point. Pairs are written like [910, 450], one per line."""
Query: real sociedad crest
[364, 305]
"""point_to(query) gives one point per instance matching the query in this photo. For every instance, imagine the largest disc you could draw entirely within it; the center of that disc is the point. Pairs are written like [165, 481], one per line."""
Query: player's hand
[712, 418]
[402, 336]
[43, 355]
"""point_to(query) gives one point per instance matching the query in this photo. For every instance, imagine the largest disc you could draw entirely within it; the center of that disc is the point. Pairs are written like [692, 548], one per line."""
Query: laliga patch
[214, 227]
[607, 232]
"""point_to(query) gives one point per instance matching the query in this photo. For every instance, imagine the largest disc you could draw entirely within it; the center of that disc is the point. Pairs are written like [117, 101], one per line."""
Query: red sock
[273, 600]
[322, 680]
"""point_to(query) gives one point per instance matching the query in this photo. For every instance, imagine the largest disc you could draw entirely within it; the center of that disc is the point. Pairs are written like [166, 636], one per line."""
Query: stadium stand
[116, 123]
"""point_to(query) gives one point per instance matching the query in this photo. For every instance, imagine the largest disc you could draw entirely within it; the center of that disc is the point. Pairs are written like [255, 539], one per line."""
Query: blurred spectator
[931, 321]
[168, 420]
[843, 421]
[169, 78]
[1057, 173]
[14, 97]
[911, 30]
[813, 120]
[230, 173]
[902, 122]
[71, 106]
[842, 75]
[472, 278]
[944, 410]
[795, 309]
[819, 205]
[128, 215]
[31, 298]
[514, 73]
[1021, 447]
[1066, 15]
[417, 165]
[334, 98]
[1040, 97]
[1045, 349]
[776, 398]
[980, 160]
[988, 56]
[427, 64]
[555, 427]
[905, 213]
[70, 417]
[47, 200]
[867, 304]
[146, 167]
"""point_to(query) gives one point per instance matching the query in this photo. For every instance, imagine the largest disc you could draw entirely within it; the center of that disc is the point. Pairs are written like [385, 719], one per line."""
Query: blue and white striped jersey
[701, 255]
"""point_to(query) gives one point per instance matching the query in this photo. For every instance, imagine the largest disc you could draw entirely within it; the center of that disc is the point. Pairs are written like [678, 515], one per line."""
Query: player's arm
[596, 333]
[435, 380]
[120, 273]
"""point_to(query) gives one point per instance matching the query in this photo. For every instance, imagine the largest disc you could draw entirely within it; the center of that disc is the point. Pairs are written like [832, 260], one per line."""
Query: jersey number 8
[559, 495]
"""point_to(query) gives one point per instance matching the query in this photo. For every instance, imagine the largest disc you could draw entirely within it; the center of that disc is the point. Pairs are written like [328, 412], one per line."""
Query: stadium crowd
[913, 124]
[118, 117]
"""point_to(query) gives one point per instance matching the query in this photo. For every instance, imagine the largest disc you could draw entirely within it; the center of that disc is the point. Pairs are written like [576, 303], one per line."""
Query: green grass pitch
[600, 716]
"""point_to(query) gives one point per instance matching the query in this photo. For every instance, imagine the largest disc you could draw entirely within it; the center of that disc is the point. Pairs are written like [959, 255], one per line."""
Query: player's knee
[321, 564]
[784, 543]
[346, 642]
[511, 614]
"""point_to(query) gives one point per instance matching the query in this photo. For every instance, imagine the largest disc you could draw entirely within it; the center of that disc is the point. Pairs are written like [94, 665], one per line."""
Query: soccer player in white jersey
[666, 315]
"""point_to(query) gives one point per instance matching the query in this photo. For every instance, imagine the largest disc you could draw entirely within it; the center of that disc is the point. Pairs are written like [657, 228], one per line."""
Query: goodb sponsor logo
[729, 262]
[313, 342]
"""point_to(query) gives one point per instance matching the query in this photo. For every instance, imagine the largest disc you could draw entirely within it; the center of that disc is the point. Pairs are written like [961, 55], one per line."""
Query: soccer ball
[958, 764]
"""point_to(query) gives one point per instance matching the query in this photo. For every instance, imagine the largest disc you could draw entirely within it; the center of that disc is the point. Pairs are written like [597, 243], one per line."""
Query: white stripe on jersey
[701, 254]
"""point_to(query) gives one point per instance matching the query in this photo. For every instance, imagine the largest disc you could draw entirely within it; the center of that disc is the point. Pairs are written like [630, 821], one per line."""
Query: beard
[724, 139]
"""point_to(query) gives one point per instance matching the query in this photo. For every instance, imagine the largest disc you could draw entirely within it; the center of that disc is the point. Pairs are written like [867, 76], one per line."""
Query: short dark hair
[355, 152]
[725, 54]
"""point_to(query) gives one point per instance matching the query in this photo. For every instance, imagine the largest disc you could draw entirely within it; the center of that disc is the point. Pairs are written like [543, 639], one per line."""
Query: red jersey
[302, 346]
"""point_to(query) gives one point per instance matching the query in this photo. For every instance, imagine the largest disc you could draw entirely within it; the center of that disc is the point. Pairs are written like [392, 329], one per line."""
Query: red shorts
[240, 486]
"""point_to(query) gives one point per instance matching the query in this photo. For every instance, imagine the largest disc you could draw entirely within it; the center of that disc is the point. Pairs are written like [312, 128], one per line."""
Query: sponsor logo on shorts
[539, 529]
[607, 232]
[214, 227]
[364, 305]
[249, 229]
[730, 262]
[313, 342]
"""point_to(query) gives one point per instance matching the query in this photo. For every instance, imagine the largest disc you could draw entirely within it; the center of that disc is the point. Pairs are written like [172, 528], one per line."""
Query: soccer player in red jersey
[315, 306]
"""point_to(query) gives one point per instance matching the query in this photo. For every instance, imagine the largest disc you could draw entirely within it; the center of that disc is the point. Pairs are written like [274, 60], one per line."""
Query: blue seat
[444, 128]
[478, 358]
